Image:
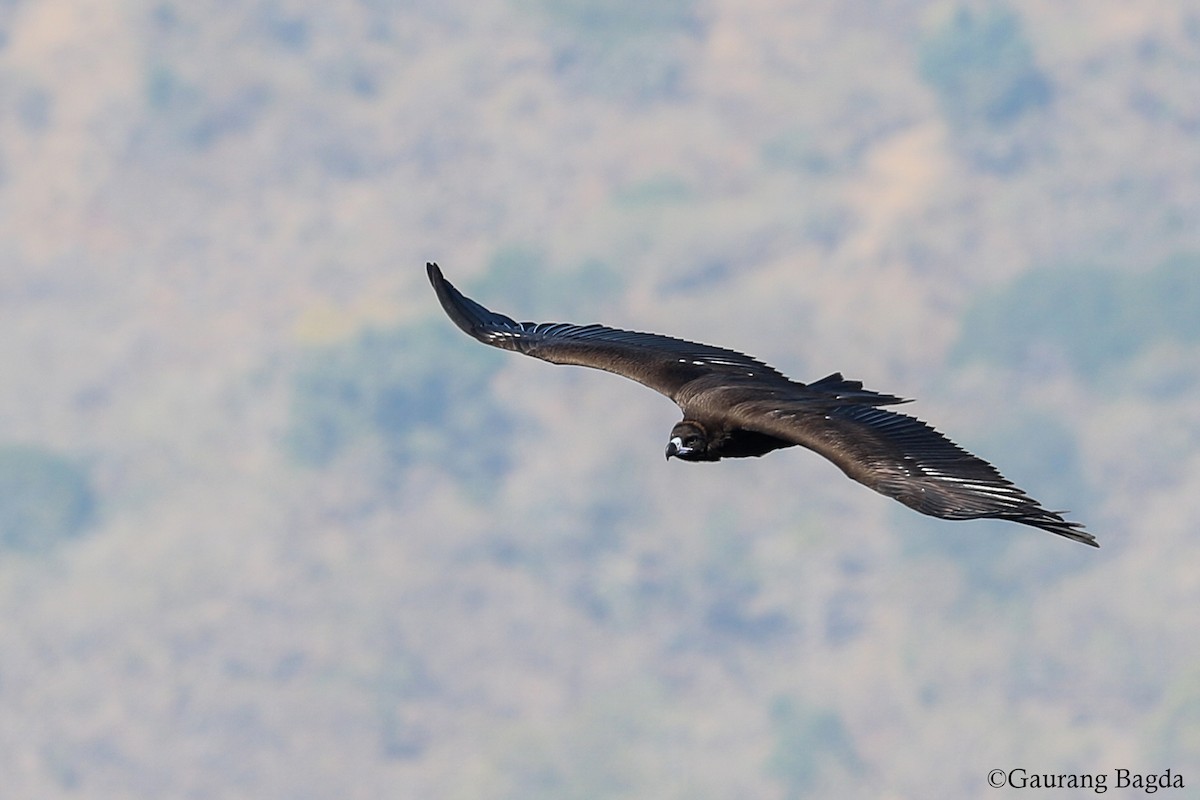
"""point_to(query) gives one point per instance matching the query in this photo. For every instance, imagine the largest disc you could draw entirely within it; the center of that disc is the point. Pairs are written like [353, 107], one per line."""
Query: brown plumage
[735, 406]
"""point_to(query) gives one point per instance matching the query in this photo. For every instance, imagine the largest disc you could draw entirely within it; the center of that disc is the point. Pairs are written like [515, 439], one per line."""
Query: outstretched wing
[903, 458]
[659, 362]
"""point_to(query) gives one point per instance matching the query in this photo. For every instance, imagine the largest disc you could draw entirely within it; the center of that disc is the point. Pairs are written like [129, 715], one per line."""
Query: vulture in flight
[735, 406]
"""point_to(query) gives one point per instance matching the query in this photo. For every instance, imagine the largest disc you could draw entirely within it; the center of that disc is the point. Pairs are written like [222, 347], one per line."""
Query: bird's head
[689, 441]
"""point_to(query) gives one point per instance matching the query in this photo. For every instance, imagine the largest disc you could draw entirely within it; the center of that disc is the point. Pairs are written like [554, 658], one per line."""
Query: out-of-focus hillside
[270, 526]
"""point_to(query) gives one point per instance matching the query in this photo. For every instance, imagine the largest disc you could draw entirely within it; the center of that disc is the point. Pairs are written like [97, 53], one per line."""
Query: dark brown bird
[736, 406]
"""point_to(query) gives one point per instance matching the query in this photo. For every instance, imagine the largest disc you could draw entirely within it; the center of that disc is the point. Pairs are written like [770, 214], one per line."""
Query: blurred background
[271, 527]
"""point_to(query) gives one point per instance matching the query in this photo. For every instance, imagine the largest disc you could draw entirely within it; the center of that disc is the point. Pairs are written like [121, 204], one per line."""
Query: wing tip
[453, 301]
[1055, 522]
[471, 317]
[1077, 535]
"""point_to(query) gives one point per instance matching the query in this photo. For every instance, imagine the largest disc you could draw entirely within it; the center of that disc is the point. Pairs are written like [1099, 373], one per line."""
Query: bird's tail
[852, 392]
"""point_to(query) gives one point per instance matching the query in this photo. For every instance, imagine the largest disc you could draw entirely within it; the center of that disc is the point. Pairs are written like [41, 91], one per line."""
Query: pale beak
[674, 446]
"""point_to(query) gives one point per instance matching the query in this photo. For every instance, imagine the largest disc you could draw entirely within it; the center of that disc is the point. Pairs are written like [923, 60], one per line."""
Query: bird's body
[735, 406]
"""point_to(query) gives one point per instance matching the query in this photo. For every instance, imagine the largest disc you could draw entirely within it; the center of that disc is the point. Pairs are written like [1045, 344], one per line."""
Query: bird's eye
[693, 442]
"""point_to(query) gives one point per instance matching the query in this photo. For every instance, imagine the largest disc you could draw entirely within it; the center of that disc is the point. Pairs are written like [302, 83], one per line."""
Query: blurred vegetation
[1095, 320]
[34, 108]
[622, 49]
[812, 747]
[45, 498]
[1177, 734]
[519, 282]
[656, 192]
[394, 388]
[725, 585]
[803, 152]
[187, 115]
[602, 749]
[616, 20]
[391, 387]
[982, 67]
